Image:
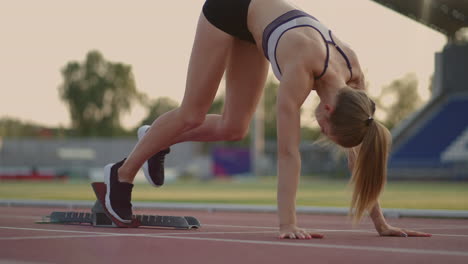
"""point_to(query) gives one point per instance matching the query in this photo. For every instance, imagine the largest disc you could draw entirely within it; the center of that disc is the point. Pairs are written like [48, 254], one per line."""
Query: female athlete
[240, 38]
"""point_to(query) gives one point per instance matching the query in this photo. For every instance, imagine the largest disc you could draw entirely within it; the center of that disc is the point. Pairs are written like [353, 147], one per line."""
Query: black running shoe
[154, 167]
[118, 194]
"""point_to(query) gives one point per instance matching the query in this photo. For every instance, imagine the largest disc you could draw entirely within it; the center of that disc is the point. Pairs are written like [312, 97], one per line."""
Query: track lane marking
[214, 232]
[330, 246]
[131, 234]
[179, 233]
[271, 243]
[60, 230]
[19, 216]
[439, 228]
[449, 235]
[309, 229]
[238, 226]
[15, 261]
[339, 230]
[52, 237]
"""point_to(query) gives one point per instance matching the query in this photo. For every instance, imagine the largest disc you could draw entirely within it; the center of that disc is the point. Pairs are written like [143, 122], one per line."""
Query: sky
[38, 38]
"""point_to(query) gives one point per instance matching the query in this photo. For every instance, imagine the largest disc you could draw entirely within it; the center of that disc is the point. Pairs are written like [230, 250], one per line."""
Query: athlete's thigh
[246, 73]
[210, 52]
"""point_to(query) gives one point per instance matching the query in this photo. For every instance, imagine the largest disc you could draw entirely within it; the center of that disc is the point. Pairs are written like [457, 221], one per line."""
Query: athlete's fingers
[306, 234]
[300, 235]
[288, 235]
[399, 232]
[395, 232]
[412, 233]
[284, 235]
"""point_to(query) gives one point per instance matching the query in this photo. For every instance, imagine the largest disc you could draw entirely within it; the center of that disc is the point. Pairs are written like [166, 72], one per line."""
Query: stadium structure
[433, 142]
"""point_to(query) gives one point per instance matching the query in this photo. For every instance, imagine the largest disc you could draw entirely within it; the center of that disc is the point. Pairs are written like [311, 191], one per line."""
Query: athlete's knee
[235, 132]
[194, 120]
[191, 120]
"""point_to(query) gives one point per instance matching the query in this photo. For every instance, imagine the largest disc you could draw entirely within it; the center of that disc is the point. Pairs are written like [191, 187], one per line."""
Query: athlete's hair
[352, 125]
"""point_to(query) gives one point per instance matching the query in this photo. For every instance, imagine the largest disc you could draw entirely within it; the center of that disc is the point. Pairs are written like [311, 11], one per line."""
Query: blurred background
[78, 79]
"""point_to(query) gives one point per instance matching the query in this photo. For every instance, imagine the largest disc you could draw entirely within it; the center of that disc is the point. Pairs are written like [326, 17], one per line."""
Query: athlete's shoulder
[306, 49]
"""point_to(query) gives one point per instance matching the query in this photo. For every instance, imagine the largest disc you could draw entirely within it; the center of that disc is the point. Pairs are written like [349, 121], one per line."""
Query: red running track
[226, 238]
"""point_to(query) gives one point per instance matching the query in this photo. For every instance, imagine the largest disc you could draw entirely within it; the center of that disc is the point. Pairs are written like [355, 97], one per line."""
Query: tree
[399, 99]
[15, 128]
[97, 93]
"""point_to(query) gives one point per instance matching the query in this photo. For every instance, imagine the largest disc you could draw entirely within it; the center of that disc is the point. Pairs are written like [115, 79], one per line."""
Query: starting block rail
[99, 217]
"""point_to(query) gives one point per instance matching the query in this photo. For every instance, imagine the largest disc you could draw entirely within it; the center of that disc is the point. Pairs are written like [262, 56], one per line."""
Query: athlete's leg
[245, 78]
[208, 61]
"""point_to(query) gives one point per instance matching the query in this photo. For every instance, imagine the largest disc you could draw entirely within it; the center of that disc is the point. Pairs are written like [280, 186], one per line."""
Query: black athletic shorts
[229, 16]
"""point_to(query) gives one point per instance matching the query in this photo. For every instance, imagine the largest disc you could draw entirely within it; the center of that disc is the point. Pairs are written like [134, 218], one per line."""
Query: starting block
[99, 217]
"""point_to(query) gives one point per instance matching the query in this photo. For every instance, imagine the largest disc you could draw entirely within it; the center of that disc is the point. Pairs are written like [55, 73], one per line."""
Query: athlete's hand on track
[293, 232]
[395, 231]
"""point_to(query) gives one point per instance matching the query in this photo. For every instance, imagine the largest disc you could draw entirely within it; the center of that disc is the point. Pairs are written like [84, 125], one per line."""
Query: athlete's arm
[378, 218]
[359, 83]
[380, 224]
[384, 229]
[296, 84]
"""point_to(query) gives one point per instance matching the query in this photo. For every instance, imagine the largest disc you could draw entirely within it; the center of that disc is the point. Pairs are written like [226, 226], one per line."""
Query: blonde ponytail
[353, 125]
[369, 173]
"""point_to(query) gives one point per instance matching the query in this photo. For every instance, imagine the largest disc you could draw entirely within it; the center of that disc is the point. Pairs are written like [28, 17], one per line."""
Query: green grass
[312, 192]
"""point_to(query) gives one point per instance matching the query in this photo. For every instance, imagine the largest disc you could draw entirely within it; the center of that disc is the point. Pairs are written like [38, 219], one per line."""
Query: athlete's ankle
[124, 176]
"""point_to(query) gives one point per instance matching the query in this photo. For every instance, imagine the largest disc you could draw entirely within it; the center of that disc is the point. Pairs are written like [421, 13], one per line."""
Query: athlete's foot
[118, 194]
[153, 168]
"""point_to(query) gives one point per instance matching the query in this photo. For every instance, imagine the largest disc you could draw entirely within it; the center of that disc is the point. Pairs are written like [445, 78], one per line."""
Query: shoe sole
[107, 174]
[141, 132]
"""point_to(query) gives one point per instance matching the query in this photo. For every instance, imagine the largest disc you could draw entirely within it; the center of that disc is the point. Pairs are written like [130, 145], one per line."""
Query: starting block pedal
[99, 217]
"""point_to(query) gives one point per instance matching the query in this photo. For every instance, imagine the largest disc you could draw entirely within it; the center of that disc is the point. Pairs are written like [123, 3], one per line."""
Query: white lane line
[449, 235]
[254, 232]
[216, 233]
[203, 233]
[337, 230]
[435, 225]
[428, 230]
[314, 245]
[344, 230]
[294, 244]
[123, 234]
[238, 226]
[309, 229]
[61, 231]
[52, 237]
[439, 228]
[126, 234]
[248, 232]
[14, 261]
[20, 216]
[181, 233]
